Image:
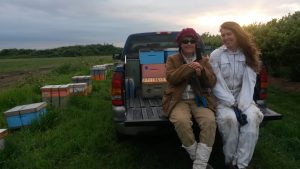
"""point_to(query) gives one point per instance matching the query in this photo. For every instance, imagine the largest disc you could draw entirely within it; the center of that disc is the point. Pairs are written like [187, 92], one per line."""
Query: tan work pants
[181, 117]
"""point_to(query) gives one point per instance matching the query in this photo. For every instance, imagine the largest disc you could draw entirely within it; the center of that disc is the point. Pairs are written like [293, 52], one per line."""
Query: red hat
[190, 32]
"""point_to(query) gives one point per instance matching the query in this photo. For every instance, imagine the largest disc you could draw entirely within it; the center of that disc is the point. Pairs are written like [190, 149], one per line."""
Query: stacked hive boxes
[56, 95]
[153, 73]
[98, 72]
[83, 79]
[23, 115]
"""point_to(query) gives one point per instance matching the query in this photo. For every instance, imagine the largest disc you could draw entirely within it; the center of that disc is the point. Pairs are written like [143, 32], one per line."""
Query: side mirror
[116, 56]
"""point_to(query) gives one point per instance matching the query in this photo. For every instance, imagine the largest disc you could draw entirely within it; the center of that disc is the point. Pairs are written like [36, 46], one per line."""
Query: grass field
[82, 134]
[279, 142]
[8, 65]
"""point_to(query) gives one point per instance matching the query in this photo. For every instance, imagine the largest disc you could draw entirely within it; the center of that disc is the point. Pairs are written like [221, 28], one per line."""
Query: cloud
[53, 23]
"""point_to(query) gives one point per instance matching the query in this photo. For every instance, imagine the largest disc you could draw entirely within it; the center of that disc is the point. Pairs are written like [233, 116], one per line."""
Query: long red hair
[246, 42]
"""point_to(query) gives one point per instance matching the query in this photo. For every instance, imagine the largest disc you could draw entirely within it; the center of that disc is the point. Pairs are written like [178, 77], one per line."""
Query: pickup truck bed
[143, 112]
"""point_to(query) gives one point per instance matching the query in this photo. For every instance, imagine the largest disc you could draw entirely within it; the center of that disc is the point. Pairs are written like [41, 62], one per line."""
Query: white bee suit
[235, 87]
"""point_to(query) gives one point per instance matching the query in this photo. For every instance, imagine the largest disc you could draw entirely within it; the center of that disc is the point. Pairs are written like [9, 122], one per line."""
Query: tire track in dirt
[13, 78]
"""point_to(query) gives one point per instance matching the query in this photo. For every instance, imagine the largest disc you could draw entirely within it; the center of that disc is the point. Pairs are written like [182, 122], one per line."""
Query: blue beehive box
[24, 115]
[13, 117]
[169, 52]
[151, 56]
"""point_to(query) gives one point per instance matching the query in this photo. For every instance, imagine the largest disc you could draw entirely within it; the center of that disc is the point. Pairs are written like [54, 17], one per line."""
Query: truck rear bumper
[139, 129]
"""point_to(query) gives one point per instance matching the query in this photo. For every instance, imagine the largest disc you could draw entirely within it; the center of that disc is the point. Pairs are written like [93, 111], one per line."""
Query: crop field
[82, 134]
[11, 65]
[15, 71]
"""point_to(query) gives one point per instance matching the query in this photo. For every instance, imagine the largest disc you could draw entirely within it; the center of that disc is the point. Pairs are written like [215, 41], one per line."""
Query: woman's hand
[198, 72]
[197, 67]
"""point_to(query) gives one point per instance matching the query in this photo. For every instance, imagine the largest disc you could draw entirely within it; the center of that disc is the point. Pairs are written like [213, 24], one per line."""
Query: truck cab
[134, 111]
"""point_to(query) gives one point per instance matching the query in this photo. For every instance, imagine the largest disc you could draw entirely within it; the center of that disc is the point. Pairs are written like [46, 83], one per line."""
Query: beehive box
[153, 70]
[98, 72]
[48, 94]
[84, 79]
[24, 115]
[56, 95]
[151, 56]
[108, 66]
[78, 89]
[153, 87]
[3, 134]
[64, 93]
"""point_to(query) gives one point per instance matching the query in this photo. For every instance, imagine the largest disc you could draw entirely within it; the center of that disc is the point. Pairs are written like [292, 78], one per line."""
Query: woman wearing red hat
[187, 96]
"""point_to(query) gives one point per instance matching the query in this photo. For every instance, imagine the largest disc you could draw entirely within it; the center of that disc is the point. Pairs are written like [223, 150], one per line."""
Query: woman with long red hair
[236, 64]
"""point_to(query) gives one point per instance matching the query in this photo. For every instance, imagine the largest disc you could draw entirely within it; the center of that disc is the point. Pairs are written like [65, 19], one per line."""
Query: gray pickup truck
[133, 113]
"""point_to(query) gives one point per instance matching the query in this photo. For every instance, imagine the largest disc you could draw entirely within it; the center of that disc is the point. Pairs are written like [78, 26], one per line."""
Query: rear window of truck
[149, 41]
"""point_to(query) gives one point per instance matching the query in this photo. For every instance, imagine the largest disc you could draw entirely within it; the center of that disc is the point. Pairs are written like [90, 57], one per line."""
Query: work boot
[202, 156]
[231, 166]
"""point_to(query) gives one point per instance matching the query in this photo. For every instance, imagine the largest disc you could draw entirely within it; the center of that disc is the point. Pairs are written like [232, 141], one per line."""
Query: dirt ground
[13, 78]
[285, 84]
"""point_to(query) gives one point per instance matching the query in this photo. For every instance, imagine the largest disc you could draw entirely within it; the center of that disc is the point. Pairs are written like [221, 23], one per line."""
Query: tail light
[263, 83]
[117, 89]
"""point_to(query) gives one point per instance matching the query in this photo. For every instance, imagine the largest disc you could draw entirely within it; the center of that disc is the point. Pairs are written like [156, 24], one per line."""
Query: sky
[46, 24]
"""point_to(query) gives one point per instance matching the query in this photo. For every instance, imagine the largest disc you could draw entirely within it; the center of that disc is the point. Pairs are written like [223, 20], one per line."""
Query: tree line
[279, 42]
[69, 51]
